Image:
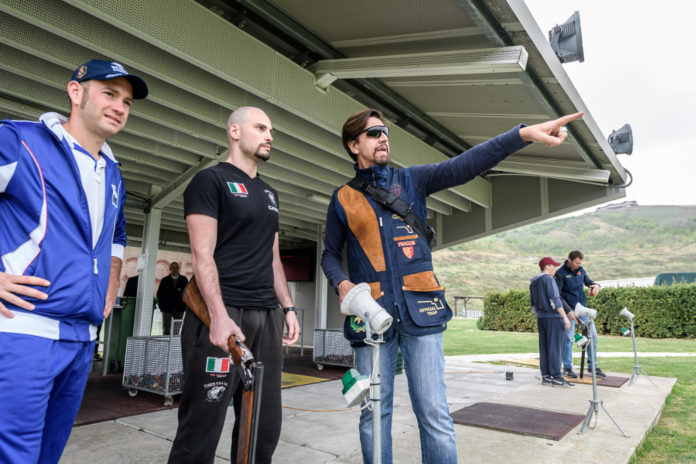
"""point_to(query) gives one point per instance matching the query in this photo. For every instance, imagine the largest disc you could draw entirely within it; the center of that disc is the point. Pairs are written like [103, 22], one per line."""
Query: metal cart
[154, 364]
[331, 347]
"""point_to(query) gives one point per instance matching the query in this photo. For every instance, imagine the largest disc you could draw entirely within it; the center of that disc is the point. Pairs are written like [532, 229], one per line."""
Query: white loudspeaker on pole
[627, 314]
[583, 311]
[359, 302]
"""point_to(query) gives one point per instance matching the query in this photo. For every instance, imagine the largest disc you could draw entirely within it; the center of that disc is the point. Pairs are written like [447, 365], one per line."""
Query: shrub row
[660, 312]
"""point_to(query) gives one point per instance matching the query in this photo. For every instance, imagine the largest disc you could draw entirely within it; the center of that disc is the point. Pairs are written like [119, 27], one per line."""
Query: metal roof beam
[446, 34]
[448, 63]
[285, 233]
[178, 185]
[553, 169]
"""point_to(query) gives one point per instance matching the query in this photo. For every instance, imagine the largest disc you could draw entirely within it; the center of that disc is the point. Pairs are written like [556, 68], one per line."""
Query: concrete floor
[332, 437]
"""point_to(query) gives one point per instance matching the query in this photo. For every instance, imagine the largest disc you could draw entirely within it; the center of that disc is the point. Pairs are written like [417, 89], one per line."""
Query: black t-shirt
[246, 210]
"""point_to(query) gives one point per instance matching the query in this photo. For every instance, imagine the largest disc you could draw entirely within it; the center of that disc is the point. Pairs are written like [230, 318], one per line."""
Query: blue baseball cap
[102, 70]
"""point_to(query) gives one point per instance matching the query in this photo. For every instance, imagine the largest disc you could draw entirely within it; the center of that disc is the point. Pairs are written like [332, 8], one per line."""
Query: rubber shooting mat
[608, 381]
[534, 422]
[295, 380]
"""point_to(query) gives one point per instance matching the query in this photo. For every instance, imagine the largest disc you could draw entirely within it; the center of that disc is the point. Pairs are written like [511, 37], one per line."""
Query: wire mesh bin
[331, 347]
[154, 364]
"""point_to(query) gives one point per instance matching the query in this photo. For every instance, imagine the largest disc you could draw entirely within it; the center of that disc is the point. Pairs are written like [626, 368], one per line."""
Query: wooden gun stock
[194, 300]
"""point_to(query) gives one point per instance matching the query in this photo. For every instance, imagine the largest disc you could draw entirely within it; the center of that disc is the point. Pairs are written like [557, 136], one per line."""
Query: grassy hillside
[632, 241]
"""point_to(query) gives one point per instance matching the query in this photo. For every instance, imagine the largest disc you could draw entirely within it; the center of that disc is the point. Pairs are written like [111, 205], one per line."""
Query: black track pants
[208, 388]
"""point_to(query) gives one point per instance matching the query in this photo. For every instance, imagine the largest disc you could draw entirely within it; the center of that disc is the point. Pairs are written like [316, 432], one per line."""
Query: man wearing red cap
[552, 322]
[61, 249]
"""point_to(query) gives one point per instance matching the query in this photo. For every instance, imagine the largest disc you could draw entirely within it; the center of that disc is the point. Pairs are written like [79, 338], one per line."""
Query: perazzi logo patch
[430, 307]
[238, 189]
[407, 247]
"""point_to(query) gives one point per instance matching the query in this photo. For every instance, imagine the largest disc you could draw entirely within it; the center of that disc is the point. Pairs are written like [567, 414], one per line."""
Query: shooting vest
[384, 251]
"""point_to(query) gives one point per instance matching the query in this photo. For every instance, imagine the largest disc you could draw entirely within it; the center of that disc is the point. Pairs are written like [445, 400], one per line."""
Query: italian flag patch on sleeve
[217, 365]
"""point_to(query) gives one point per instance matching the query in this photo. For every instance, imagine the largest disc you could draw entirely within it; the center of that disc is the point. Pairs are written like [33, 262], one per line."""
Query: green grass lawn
[672, 440]
[462, 337]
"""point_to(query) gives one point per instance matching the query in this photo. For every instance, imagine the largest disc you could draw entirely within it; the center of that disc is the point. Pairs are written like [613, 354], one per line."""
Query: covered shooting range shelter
[449, 74]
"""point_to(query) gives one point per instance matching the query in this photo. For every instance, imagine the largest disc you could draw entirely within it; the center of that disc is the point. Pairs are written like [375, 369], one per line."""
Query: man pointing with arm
[387, 253]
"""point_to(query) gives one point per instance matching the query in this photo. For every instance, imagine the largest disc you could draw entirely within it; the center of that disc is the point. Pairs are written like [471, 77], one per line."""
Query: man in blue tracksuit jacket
[572, 279]
[552, 322]
[62, 236]
[385, 252]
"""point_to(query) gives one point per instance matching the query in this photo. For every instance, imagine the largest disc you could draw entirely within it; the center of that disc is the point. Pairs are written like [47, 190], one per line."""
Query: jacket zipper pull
[380, 222]
[96, 269]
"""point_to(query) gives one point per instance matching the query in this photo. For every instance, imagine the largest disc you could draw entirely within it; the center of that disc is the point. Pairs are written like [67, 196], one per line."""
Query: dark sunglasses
[374, 132]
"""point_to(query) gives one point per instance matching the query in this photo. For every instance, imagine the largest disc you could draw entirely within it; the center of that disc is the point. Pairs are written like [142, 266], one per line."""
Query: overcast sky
[639, 68]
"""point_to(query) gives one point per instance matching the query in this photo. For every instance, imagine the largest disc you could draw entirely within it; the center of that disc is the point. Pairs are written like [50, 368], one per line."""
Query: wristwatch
[288, 309]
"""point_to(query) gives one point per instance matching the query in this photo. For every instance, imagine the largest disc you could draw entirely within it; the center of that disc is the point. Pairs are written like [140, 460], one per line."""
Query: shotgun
[251, 374]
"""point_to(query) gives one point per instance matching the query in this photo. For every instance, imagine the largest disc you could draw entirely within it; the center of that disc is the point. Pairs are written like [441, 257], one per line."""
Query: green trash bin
[122, 319]
[127, 320]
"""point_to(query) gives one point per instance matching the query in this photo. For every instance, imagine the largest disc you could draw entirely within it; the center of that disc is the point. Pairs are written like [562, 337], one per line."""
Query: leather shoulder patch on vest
[362, 221]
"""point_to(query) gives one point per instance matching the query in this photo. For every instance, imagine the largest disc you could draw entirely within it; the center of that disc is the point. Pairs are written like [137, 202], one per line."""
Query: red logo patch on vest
[407, 247]
[408, 251]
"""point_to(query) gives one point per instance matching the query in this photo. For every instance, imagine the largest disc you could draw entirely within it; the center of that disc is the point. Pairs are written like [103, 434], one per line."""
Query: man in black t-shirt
[232, 218]
[169, 294]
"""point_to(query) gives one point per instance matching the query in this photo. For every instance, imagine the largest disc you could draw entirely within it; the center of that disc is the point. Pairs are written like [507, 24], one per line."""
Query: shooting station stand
[375, 393]
[636, 367]
[595, 402]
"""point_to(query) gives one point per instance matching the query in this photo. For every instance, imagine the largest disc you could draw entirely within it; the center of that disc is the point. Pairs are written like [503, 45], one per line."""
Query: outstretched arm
[431, 178]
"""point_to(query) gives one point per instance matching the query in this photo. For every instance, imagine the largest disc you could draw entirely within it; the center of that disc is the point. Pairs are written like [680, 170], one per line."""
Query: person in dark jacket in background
[572, 279]
[169, 296]
[131, 287]
[552, 322]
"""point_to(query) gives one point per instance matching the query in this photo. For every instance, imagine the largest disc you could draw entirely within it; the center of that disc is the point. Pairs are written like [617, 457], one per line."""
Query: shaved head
[241, 115]
[249, 132]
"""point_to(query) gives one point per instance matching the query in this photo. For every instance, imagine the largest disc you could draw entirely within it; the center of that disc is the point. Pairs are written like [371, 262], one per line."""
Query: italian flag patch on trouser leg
[218, 365]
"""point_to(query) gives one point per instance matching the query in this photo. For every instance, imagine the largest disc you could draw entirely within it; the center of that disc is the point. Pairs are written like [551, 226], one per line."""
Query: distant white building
[630, 282]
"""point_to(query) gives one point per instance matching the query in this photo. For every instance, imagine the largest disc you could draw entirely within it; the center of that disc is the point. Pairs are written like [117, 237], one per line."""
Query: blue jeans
[424, 363]
[570, 339]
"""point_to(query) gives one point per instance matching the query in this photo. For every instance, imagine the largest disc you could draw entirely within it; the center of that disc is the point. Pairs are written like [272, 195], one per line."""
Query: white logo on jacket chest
[114, 196]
